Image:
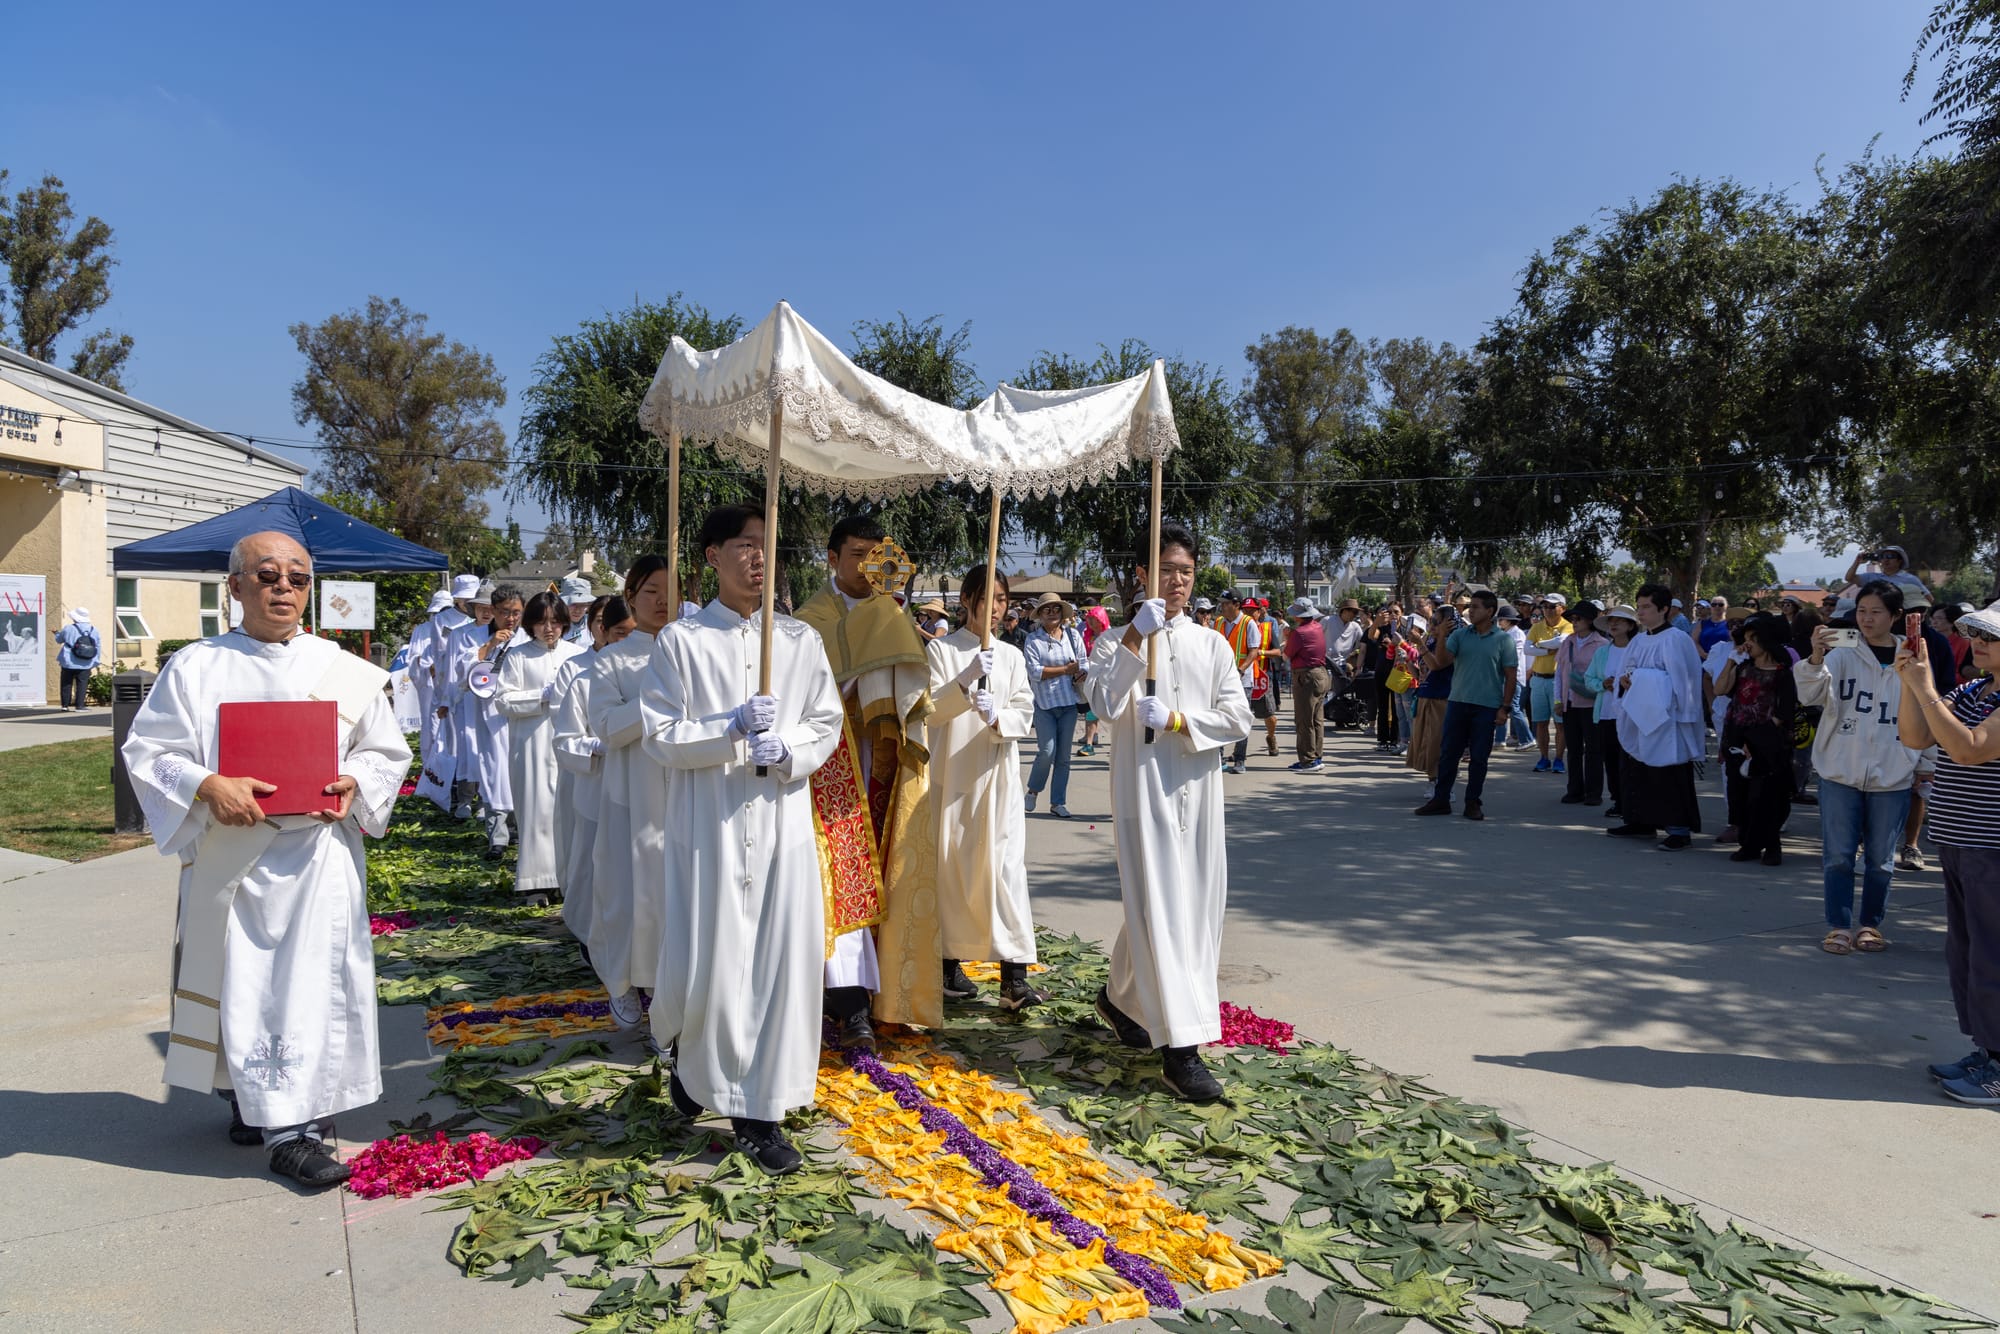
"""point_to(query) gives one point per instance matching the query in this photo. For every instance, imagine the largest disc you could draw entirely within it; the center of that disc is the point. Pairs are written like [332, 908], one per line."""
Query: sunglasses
[1983, 636]
[271, 578]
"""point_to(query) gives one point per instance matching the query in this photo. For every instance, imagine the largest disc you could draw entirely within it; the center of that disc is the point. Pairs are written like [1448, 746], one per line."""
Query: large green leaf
[820, 1299]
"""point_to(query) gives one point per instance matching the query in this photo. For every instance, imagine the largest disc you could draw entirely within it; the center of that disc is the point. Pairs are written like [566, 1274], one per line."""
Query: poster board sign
[346, 604]
[24, 639]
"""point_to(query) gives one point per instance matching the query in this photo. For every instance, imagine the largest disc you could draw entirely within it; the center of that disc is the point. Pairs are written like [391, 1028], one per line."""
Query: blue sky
[1059, 175]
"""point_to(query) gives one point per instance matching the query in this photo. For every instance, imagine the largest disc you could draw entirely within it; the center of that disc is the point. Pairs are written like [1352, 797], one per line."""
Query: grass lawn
[56, 801]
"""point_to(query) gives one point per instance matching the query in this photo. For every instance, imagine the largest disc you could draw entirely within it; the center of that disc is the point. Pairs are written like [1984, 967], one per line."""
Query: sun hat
[465, 586]
[80, 615]
[1506, 612]
[1622, 613]
[1047, 600]
[576, 589]
[932, 604]
[484, 593]
[1350, 604]
[1897, 552]
[439, 601]
[1303, 610]
[1203, 604]
[1986, 619]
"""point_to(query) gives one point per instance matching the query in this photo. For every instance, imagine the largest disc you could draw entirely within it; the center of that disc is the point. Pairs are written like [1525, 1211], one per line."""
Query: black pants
[1612, 756]
[1764, 795]
[1972, 939]
[1583, 757]
[75, 687]
[1386, 731]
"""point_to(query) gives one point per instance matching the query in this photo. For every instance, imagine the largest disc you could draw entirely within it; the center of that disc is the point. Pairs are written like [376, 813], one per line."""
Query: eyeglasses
[1983, 636]
[270, 578]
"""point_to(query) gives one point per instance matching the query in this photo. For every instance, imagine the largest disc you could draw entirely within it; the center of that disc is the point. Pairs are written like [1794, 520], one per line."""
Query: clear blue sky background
[1059, 174]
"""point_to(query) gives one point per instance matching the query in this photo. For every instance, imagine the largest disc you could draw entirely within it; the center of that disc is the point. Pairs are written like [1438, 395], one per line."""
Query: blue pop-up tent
[337, 542]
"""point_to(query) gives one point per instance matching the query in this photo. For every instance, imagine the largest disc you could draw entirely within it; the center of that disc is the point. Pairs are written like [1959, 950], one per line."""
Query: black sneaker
[1773, 857]
[855, 1031]
[1433, 807]
[766, 1143]
[1188, 1075]
[1571, 799]
[305, 1160]
[1128, 1029]
[957, 986]
[1475, 810]
[241, 1131]
[683, 1102]
[1673, 842]
[1016, 992]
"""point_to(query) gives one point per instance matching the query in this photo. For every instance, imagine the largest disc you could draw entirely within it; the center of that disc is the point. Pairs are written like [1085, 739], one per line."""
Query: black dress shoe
[1745, 855]
[957, 986]
[241, 1131]
[684, 1103]
[1129, 1030]
[1433, 807]
[1570, 799]
[1188, 1075]
[1016, 992]
[1632, 831]
[1676, 843]
[305, 1160]
[1613, 813]
[856, 1031]
[1773, 857]
[1475, 810]
[766, 1143]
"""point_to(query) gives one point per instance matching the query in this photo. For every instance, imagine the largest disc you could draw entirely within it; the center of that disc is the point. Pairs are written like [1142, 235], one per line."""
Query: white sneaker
[626, 1011]
[1031, 801]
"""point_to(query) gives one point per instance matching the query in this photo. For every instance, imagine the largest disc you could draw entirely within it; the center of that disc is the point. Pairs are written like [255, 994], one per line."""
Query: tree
[1201, 482]
[1742, 560]
[1409, 463]
[58, 278]
[1212, 581]
[1674, 363]
[1309, 397]
[408, 419]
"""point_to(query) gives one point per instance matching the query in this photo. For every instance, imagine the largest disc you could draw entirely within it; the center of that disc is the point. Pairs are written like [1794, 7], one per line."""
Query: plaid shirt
[1053, 692]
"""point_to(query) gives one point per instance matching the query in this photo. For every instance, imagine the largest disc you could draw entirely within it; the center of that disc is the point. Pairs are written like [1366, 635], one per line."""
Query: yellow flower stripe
[1046, 1283]
[990, 972]
[504, 1031]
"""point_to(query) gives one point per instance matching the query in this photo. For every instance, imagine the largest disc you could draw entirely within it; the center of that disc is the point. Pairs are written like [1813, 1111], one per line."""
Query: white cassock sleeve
[576, 748]
[167, 759]
[680, 736]
[1015, 714]
[377, 759]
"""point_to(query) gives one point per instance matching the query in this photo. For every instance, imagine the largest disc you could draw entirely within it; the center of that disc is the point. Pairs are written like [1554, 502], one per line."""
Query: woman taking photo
[1757, 736]
[1865, 771]
[526, 694]
[1965, 825]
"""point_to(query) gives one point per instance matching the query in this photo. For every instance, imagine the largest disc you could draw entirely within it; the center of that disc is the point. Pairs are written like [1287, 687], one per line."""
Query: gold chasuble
[884, 678]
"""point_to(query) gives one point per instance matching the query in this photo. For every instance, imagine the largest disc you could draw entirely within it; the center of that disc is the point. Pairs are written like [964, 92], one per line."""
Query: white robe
[479, 728]
[460, 647]
[982, 848]
[1666, 668]
[531, 757]
[298, 981]
[579, 783]
[741, 957]
[631, 838]
[425, 664]
[1166, 799]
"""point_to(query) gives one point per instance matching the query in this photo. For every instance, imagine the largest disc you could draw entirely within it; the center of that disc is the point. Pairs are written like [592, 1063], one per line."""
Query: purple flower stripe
[543, 1010]
[996, 1169]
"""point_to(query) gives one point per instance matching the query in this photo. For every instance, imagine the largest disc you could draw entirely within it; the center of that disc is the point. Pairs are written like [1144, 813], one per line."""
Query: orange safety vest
[1246, 636]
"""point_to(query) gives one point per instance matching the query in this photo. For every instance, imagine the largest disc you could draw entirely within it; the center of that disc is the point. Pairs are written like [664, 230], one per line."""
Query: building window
[131, 622]
[211, 610]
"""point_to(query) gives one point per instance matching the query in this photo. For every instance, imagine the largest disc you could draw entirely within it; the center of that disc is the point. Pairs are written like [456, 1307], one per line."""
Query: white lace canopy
[853, 434]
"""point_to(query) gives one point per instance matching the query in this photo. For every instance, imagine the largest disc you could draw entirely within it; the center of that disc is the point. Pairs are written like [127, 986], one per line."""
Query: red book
[292, 743]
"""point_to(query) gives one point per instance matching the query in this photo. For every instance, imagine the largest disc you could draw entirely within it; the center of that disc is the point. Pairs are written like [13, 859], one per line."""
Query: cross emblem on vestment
[271, 1062]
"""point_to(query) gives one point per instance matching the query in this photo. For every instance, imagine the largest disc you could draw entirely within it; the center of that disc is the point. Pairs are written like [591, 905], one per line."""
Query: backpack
[85, 647]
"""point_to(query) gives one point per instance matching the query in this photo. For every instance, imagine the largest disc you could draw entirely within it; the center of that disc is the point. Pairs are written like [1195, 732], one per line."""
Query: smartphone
[1844, 636]
[1913, 630]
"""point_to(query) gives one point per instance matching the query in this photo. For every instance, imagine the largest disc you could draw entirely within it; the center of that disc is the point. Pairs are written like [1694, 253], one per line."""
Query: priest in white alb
[983, 707]
[743, 951]
[274, 976]
[1660, 726]
[1166, 797]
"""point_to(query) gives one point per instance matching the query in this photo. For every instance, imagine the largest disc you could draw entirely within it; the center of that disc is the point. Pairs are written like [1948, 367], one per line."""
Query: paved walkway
[1672, 1013]
[44, 726]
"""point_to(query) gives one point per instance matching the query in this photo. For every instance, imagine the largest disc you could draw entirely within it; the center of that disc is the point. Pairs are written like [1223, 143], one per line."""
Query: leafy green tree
[408, 418]
[1742, 560]
[58, 277]
[1410, 456]
[1201, 482]
[1212, 581]
[1309, 396]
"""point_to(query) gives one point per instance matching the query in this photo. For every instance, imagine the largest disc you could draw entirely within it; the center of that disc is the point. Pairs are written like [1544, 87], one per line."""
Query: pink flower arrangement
[407, 790]
[404, 1166]
[1244, 1027]
[388, 924]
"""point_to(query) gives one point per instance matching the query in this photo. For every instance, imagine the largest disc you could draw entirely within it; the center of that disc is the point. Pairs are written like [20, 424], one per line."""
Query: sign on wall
[24, 638]
[346, 605]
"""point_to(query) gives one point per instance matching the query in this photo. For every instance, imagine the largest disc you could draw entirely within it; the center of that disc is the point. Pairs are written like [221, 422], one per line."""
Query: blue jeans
[1465, 726]
[1872, 821]
[1053, 730]
[1517, 715]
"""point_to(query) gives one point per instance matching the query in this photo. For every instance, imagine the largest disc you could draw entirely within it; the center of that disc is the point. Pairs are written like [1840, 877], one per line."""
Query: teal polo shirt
[1478, 664]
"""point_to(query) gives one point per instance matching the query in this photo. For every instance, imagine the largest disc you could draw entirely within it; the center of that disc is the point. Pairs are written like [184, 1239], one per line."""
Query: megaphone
[481, 681]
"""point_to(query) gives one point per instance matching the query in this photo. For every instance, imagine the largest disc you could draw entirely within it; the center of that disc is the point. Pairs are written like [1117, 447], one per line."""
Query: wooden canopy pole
[992, 571]
[1153, 589]
[674, 521]
[772, 480]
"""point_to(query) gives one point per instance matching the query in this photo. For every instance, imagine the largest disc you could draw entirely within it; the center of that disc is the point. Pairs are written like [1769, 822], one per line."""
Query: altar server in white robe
[526, 696]
[743, 953]
[448, 611]
[631, 839]
[460, 646]
[1166, 798]
[1660, 725]
[580, 768]
[579, 597]
[479, 692]
[274, 978]
[984, 707]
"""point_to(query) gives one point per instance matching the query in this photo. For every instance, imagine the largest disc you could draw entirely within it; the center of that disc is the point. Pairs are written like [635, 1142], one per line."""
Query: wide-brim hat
[1203, 604]
[574, 590]
[81, 615]
[465, 586]
[1619, 613]
[932, 605]
[484, 591]
[1047, 600]
[1303, 610]
[439, 601]
[1350, 604]
[1986, 619]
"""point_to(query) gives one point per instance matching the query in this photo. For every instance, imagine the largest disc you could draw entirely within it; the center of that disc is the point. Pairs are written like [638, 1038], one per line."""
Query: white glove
[1154, 713]
[770, 750]
[548, 692]
[597, 745]
[1151, 617]
[981, 665]
[754, 715]
[982, 701]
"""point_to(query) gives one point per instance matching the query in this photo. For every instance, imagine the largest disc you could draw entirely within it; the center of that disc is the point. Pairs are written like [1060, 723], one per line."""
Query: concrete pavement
[1670, 1012]
[45, 726]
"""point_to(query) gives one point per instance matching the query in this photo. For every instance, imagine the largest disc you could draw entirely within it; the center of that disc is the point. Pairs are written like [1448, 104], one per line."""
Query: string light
[156, 442]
